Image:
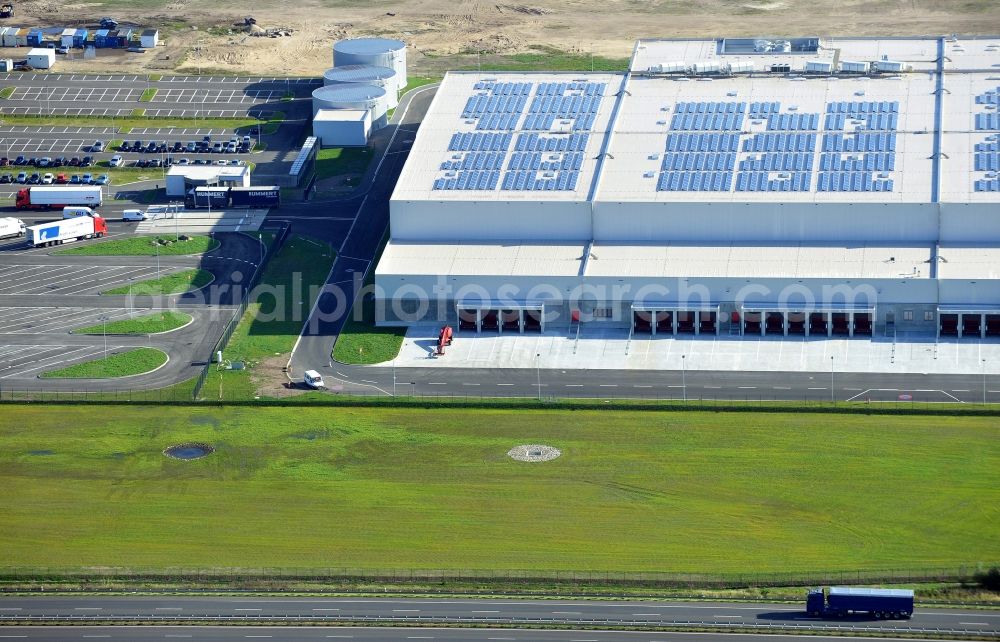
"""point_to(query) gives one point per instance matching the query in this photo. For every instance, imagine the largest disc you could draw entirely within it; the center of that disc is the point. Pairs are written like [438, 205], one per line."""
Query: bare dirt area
[211, 37]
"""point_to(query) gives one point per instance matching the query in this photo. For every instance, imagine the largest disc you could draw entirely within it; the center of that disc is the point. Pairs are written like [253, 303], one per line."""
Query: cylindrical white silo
[381, 52]
[384, 77]
[353, 96]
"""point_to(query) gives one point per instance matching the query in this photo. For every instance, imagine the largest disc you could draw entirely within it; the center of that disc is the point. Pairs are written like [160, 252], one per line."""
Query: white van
[134, 215]
[313, 379]
[74, 212]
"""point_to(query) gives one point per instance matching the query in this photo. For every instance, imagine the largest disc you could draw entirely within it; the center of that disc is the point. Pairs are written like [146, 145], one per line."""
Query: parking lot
[208, 95]
[131, 78]
[59, 278]
[30, 360]
[48, 320]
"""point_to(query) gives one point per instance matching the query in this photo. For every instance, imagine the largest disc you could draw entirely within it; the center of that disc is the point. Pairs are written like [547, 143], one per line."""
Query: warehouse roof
[482, 259]
[747, 136]
[207, 172]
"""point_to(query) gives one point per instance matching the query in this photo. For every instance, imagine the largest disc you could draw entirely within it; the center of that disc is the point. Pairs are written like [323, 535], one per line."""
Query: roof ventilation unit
[741, 67]
[854, 66]
[892, 65]
[819, 66]
[706, 67]
[676, 67]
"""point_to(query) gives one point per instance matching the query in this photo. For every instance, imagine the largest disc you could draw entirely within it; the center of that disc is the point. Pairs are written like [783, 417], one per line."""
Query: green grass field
[361, 342]
[335, 161]
[123, 364]
[176, 283]
[415, 488]
[164, 245]
[143, 324]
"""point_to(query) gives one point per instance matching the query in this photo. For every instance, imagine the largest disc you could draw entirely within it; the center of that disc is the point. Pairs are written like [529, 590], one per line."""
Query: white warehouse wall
[489, 220]
[734, 222]
[970, 222]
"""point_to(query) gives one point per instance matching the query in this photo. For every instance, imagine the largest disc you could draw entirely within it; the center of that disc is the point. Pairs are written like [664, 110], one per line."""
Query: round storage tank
[380, 52]
[383, 77]
[353, 96]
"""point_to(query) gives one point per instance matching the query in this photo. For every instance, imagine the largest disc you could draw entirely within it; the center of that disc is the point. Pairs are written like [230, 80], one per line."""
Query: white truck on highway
[11, 227]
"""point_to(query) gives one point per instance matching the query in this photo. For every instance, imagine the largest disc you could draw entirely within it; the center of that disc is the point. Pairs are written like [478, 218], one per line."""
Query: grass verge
[7, 92]
[726, 494]
[148, 95]
[361, 342]
[176, 283]
[123, 364]
[125, 125]
[164, 245]
[144, 324]
[337, 161]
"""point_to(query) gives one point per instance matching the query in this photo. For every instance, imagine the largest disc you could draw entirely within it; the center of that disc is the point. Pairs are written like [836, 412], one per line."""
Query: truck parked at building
[67, 230]
[839, 601]
[11, 227]
[233, 197]
[56, 197]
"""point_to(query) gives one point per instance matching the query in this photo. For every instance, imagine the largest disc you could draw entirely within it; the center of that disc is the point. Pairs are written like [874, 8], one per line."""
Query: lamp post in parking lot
[104, 321]
[684, 385]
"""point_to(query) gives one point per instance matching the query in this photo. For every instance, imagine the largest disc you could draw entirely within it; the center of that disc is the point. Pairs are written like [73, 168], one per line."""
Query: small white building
[67, 38]
[41, 58]
[6, 64]
[181, 178]
[149, 38]
[342, 127]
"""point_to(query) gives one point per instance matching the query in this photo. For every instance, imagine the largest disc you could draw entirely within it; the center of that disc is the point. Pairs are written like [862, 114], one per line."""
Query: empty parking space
[15, 145]
[76, 94]
[34, 110]
[215, 95]
[55, 320]
[71, 279]
[30, 360]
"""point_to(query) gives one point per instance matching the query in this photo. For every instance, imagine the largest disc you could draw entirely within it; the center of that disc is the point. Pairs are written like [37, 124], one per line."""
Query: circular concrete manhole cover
[533, 452]
[188, 452]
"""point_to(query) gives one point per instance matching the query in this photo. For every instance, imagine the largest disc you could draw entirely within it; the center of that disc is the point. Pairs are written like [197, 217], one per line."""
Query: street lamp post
[984, 382]
[684, 387]
[831, 379]
[130, 312]
[538, 373]
[104, 320]
[156, 244]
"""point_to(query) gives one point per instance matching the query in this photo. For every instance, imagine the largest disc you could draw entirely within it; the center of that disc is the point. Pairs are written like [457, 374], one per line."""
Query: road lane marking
[816, 388]
[975, 623]
[781, 387]
[727, 616]
[88, 608]
[406, 610]
[645, 615]
[747, 387]
[168, 608]
[176, 635]
[565, 612]
[246, 609]
[326, 609]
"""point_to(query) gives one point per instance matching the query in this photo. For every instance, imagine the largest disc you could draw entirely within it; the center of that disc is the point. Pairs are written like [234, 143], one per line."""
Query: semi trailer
[67, 230]
[11, 227]
[839, 601]
[265, 196]
[56, 197]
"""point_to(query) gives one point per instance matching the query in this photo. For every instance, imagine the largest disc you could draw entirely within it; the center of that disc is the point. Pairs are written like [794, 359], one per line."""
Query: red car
[61, 178]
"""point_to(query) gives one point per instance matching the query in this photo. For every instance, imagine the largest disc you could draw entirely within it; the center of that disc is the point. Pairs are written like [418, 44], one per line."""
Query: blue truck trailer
[839, 601]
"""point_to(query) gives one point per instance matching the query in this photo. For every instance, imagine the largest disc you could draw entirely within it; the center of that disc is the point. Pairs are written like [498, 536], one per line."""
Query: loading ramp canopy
[670, 317]
[500, 316]
[972, 321]
[768, 317]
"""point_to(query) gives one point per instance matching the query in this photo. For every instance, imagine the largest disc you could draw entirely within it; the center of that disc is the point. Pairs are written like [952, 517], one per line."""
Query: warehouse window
[928, 315]
[907, 315]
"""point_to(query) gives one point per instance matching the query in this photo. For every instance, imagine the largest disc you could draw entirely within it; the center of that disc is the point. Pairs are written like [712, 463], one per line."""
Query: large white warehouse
[717, 187]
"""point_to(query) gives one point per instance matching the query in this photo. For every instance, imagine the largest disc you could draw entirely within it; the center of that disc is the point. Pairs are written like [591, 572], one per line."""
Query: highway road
[381, 634]
[486, 612]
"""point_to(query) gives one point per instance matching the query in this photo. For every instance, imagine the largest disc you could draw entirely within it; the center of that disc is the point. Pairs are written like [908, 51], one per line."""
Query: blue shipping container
[80, 37]
[35, 38]
[101, 39]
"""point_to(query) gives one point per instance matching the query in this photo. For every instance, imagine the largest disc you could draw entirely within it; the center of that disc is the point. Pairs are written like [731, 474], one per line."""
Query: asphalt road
[429, 612]
[381, 634]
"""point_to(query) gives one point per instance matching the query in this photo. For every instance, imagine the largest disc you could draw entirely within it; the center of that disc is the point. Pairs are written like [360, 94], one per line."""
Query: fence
[512, 577]
[227, 333]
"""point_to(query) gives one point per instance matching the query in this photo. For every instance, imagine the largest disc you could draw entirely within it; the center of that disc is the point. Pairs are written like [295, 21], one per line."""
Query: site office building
[739, 200]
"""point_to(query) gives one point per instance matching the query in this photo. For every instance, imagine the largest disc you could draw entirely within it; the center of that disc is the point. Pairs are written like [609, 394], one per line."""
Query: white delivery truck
[11, 227]
[73, 212]
[67, 230]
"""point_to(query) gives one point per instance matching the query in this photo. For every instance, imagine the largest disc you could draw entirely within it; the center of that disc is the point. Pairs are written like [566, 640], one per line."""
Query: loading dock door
[993, 325]
[948, 325]
[752, 322]
[664, 322]
[511, 320]
[841, 323]
[817, 323]
[685, 322]
[971, 325]
[491, 321]
[642, 321]
[468, 319]
[863, 323]
[708, 322]
[796, 322]
[774, 323]
[534, 320]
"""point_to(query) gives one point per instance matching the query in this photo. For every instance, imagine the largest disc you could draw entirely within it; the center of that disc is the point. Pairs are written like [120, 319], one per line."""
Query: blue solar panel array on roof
[987, 152]
[543, 160]
[861, 140]
[700, 152]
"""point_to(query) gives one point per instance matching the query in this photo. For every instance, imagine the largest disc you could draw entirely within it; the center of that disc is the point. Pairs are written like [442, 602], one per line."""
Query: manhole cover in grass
[533, 452]
[189, 451]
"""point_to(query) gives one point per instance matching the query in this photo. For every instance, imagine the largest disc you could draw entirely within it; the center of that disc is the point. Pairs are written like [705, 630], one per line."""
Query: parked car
[103, 179]
[142, 162]
[48, 178]
[155, 162]
[34, 179]
[177, 146]
[22, 177]
[202, 161]
[98, 146]
[58, 161]
[134, 215]
[237, 162]
[87, 179]
[124, 147]
[191, 146]
[74, 162]
[222, 161]
[61, 179]
[6, 178]
[75, 179]
[62, 50]
[217, 148]
[86, 161]
[247, 141]
[183, 161]
[206, 139]
[44, 161]
[115, 161]
[4, 161]
[136, 50]
[20, 160]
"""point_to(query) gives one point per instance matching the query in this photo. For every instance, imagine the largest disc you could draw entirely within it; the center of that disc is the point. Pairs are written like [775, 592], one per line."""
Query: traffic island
[176, 283]
[169, 245]
[156, 323]
[123, 364]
